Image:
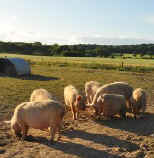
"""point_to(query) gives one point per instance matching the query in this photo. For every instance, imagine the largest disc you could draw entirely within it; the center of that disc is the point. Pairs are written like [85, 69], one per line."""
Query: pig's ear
[79, 97]
[99, 98]
[102, 99]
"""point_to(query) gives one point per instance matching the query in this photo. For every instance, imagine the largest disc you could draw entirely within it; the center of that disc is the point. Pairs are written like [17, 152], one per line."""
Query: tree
[151, 54]
[54, 49]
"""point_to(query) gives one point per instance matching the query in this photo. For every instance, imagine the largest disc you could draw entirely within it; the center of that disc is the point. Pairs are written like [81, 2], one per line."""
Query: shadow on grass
[33, 77]
[38, 77]
[75, 149]
[143, 126]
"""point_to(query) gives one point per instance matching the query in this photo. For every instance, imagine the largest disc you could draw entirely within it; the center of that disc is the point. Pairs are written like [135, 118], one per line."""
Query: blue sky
[77, 21]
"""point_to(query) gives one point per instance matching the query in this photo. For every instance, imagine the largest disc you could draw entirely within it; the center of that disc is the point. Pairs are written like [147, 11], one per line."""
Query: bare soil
[86, 138]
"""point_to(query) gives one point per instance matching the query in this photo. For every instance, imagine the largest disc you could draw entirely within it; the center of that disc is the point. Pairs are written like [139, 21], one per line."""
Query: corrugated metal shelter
[14, 66]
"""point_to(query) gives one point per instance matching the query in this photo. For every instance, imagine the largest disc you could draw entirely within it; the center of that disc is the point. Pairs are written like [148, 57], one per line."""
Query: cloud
[14, 18]
[23, 36]
[16, 36]
[119, 40]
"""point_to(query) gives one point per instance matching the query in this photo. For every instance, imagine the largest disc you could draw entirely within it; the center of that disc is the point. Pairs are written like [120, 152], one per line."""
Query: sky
[109, 22]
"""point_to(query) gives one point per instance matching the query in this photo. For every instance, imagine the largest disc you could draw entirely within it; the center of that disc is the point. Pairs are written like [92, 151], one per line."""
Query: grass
[135, 65]
[90, 138]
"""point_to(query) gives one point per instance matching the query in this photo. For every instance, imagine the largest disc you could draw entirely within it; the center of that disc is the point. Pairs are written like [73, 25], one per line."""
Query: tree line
[80, 50]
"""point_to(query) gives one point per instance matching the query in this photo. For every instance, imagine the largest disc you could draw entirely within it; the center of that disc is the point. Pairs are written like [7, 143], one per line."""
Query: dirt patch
[85, 138]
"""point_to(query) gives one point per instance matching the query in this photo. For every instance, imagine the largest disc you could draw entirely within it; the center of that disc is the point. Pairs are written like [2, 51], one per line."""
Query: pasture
[89, 138]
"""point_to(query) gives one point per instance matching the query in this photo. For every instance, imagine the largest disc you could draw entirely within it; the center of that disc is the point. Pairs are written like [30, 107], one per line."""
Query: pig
[121, 88]
[90, 90]
[74, 100]
[138, 101]
[111, 104]
[37, 115]
[40, 95]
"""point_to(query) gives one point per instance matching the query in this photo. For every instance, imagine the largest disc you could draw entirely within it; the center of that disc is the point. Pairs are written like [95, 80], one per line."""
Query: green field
[54, 73]
[136, 65]
[115, 137]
